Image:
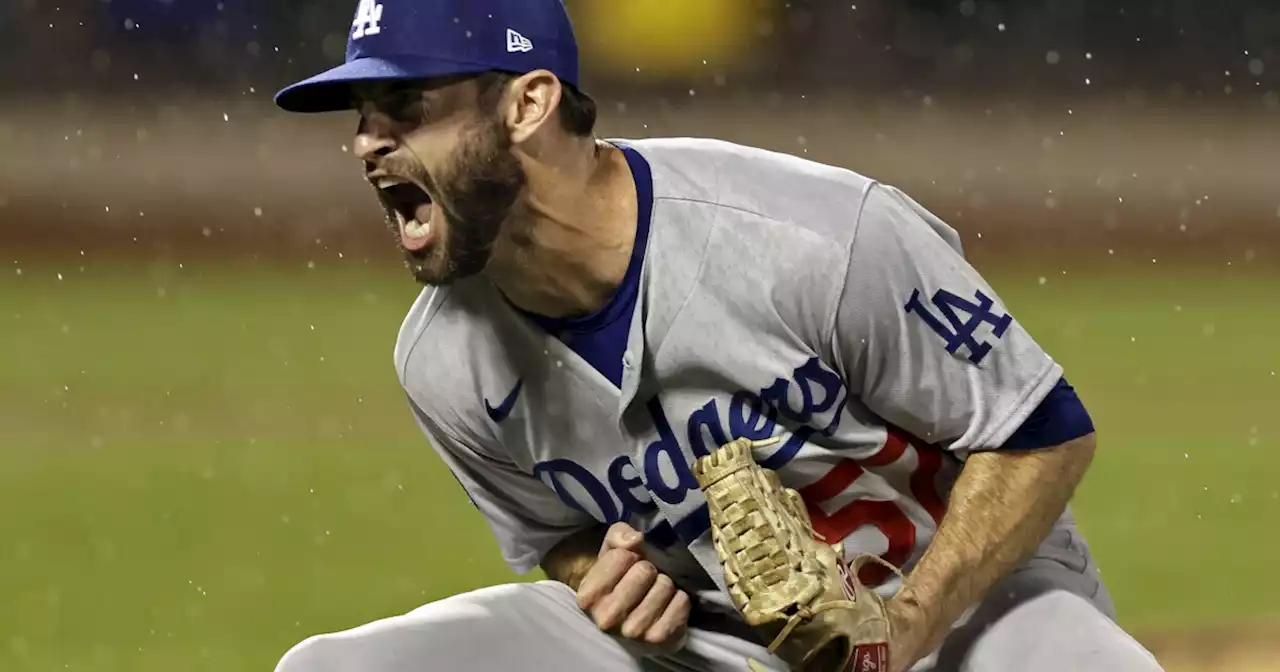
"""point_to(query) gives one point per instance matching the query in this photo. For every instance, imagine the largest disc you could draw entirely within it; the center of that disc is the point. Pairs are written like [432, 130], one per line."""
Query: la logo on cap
[368, 14]
[517, 42]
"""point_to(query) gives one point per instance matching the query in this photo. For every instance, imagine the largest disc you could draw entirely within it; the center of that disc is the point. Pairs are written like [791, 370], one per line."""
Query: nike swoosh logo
[504, 409]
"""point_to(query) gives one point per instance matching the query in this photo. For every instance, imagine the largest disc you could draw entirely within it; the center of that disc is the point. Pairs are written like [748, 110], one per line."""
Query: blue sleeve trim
[1060, 417]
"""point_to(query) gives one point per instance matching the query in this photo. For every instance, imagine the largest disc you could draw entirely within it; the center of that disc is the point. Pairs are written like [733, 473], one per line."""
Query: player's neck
[579, 226]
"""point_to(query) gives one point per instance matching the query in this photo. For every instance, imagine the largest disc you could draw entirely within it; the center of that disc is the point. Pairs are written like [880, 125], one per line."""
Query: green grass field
[201, 465]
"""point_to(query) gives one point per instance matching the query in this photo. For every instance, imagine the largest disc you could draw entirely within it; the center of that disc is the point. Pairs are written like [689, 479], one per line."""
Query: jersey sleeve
[525, 514]
[924, 341]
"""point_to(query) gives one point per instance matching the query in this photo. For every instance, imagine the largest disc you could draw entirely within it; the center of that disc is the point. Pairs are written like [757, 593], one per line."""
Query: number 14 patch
[961, 332]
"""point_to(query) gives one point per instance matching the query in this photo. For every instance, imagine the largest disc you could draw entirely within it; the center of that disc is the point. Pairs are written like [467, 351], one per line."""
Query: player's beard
[477, 191]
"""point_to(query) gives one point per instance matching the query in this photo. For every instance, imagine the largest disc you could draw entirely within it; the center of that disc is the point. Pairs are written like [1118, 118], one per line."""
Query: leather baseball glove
[796, 590]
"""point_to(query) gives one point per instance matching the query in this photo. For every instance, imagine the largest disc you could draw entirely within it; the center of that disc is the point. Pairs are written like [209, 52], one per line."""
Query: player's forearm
[1002, 507]
[571, 559]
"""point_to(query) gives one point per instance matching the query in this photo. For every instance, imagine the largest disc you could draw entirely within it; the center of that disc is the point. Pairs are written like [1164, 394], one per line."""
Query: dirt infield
[206, 178]
[1217, 650]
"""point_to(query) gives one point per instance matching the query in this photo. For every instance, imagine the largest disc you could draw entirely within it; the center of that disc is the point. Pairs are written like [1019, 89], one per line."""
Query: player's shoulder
[414, 326]
[438, 328]
[758, 182]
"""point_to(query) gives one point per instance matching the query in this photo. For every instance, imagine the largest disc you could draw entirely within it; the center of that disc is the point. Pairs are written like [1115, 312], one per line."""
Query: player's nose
[369, 147]
[372, 141]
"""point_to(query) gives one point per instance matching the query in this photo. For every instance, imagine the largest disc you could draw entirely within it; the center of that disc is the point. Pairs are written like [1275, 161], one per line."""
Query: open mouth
[413, 210]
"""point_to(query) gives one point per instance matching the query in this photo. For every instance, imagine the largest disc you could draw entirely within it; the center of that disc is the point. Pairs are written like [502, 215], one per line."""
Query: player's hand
[626, 595]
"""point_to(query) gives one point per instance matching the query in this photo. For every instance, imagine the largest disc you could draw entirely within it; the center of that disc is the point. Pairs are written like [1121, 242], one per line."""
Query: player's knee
[313, 654]
[387, 645]
[429, 632]
[497, 601]
[1059, 630]
[1063, 607]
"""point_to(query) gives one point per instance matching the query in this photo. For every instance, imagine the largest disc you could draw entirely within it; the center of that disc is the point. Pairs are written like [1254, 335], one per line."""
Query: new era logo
[517, 42]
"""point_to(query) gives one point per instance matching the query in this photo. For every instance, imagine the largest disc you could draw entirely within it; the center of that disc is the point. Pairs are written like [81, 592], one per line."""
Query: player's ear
[531, 102]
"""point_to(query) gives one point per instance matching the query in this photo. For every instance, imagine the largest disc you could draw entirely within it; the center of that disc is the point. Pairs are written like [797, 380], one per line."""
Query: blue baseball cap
[420, 39]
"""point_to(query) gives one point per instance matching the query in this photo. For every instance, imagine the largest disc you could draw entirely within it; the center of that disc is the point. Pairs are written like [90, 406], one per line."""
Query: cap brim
[330, 91]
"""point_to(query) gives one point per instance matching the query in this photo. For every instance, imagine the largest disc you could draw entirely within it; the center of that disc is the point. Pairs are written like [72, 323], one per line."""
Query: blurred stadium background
[204, 456]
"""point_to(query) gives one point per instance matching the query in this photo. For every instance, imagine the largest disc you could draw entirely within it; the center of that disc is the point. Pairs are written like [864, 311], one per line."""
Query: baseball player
[600, 315]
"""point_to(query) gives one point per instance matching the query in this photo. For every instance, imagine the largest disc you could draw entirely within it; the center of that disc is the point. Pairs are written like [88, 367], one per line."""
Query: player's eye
[405, 106]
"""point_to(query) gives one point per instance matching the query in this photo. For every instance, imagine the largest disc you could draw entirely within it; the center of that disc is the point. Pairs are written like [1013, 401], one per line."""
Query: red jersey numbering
[885, 516]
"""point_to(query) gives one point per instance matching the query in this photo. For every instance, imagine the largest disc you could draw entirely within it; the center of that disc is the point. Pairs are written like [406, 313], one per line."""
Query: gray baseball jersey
[779, 298]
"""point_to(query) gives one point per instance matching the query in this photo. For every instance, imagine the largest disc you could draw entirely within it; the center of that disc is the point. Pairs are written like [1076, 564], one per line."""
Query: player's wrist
[572, 558]
[914, 629]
